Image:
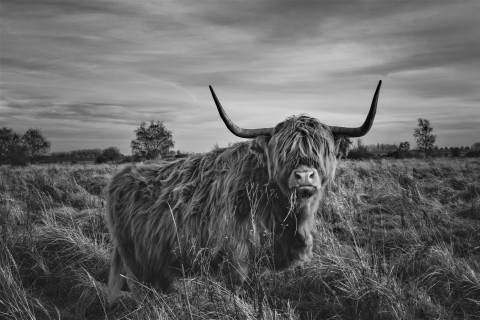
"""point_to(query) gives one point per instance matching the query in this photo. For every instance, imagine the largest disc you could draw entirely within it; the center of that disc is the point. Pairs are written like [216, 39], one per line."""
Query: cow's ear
[260, 145]
[260, 148]
[337, 140]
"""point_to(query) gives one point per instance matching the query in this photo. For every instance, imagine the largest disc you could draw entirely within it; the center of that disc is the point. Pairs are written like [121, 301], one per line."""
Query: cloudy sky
[88, 72]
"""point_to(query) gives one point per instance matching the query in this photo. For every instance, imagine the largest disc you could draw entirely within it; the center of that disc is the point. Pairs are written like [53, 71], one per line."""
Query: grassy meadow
[395, 239]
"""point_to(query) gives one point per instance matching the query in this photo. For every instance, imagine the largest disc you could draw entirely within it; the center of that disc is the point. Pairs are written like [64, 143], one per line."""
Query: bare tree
[424, 137]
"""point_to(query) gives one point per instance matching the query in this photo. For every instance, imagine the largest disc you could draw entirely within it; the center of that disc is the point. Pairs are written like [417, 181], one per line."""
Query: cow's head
[301, 151]
[301, 158]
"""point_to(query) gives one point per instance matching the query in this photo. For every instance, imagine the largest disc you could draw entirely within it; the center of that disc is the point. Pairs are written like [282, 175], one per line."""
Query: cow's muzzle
[305, 191]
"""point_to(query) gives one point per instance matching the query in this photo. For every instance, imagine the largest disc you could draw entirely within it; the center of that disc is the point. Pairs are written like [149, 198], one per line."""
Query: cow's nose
[304, 177]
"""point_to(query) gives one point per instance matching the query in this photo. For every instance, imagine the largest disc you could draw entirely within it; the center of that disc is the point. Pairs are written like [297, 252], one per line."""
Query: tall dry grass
[394, 240]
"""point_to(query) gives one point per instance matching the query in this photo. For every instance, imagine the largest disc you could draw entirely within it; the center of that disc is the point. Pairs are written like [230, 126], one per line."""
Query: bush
[111, 154]
[473, 154]
[18, 157]
[100, 159]
[359, 154]
[182, 155]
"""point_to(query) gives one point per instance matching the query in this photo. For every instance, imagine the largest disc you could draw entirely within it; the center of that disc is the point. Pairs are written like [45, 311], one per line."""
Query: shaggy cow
[165, 217]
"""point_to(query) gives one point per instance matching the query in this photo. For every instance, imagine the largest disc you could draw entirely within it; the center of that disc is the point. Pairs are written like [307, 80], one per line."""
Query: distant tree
[181, 154]
[111, 154]
[18, 155]
[60, 155]
[456, 152]
[35, 143]
[424, 137]
[404, 145]
[360, 151]
[85, 153]
[386, 147]
[474, 150]
[126, 159]
[152, 141]
[100, 159]
[9, 142]
[403, 149]
[360, 145]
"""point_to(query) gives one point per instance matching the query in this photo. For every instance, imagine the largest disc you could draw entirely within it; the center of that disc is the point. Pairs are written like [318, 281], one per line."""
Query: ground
[394, 239]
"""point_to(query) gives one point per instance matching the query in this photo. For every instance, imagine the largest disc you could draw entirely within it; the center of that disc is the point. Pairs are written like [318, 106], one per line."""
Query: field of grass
[395, 239]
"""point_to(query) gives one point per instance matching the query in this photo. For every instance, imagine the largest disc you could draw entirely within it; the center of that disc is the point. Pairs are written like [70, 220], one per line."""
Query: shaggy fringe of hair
[302, 140]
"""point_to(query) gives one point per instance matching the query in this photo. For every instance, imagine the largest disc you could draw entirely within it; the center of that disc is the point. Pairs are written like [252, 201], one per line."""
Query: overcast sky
[88, 72]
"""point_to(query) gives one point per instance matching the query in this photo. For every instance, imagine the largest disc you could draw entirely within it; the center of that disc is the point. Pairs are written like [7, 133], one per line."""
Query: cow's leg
[115, 280]
[235, 274]
[162, 283]
[140, 289]
[235, 269]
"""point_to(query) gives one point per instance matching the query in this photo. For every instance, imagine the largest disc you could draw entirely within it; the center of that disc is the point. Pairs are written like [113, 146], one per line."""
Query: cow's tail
[115, 280]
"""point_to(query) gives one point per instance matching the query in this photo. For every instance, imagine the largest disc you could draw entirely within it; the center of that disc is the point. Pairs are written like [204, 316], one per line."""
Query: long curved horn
[240, 132]
[362, 130]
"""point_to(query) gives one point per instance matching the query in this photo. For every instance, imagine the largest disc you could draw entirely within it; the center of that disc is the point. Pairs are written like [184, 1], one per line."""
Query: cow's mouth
[305, 191]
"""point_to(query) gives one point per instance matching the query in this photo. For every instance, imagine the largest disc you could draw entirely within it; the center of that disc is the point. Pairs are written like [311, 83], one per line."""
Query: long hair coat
[163, 216]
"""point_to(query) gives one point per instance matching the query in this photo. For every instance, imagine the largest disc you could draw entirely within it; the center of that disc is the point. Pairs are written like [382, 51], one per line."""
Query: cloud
[71, 7]
[105, 66]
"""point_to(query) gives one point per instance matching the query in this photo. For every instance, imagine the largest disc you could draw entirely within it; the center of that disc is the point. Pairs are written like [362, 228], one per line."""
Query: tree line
[18, 149]
[33, 147]
[424, 138]
[154, 141]
[100, 155]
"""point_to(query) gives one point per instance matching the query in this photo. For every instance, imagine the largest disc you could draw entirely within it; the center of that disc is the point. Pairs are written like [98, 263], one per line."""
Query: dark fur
[217, 205]
[344, 146]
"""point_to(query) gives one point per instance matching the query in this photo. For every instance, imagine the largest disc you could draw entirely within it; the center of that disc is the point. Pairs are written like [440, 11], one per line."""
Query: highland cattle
[166, 218]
